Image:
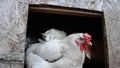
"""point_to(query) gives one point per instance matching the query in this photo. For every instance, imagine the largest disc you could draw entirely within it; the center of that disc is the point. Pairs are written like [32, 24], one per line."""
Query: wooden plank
[11, 64]
[63, 10]
[4, 65]
[17, 65]
[12, 60]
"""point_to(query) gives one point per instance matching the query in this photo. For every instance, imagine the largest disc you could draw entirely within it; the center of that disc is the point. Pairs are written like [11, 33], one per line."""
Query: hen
[68, 52]
[48, 35]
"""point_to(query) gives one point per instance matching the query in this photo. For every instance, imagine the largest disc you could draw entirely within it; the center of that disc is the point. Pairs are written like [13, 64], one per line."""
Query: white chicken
[54, 34]
[59, 53]
[48, 35]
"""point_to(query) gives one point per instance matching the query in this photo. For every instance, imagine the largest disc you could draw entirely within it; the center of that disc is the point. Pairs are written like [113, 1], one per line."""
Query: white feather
[54, 34]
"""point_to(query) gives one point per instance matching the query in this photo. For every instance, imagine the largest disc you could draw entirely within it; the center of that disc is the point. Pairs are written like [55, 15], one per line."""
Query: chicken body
[66, 53]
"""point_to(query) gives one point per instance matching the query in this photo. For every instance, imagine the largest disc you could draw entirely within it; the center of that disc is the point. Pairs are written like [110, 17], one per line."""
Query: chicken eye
[81, 39]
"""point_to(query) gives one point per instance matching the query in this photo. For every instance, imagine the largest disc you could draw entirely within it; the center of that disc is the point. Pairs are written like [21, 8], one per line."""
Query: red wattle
[83, 47]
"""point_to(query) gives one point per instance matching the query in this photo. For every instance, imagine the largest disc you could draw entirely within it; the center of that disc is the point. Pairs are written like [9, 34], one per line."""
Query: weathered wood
[17, 65]
[9, 64]
[12, 60]
[63, 10]
[12, 57]
[4, 65]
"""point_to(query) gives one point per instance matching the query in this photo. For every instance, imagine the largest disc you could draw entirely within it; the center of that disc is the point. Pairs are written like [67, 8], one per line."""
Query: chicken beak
[89, 43]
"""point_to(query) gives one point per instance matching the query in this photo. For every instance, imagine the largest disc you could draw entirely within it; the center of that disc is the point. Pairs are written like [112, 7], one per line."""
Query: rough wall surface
[13, 22]
[112, 17]
[13, 19]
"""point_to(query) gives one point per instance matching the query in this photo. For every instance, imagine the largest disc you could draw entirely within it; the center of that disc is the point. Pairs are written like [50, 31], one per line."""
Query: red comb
[87, 37]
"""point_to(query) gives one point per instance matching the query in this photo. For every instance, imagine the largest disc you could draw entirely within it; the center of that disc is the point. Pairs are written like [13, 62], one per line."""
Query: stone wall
[13, 22]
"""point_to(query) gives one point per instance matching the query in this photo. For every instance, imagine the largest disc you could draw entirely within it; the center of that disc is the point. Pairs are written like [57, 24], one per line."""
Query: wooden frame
[63, 10]
[54, 9]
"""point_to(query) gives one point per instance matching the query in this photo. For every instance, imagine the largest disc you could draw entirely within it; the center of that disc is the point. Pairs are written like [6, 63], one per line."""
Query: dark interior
[40, 22]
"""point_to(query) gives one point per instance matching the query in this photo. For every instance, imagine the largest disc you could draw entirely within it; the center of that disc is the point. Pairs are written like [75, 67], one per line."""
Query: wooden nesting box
[71, 20]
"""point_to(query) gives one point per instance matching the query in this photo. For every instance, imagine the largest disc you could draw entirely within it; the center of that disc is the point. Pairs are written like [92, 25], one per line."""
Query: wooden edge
[63, 10]
[106, 53]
